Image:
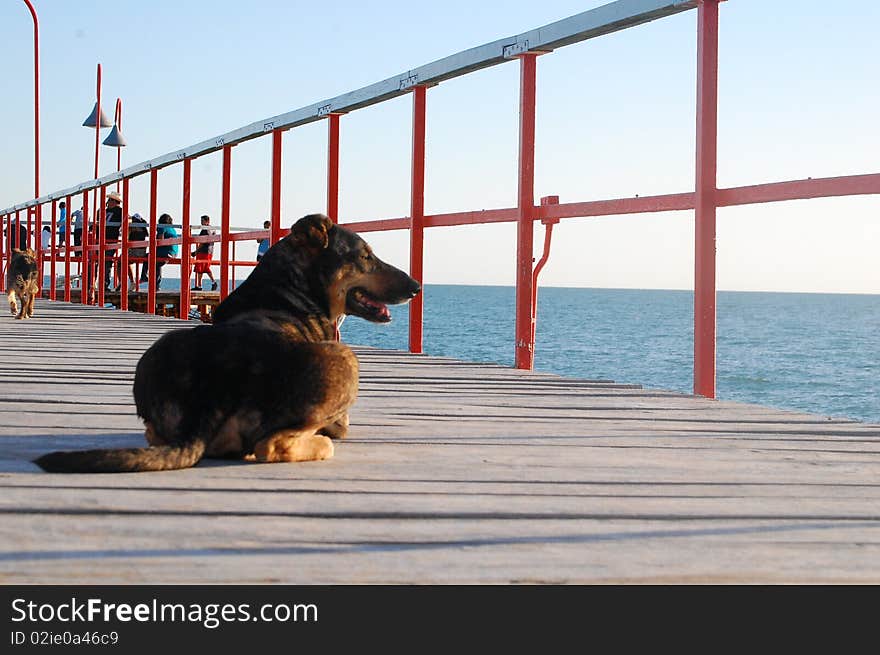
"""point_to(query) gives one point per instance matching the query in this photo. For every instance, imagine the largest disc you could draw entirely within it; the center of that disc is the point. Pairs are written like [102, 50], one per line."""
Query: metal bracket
[410, 80]
[548, 235]
[514, 49]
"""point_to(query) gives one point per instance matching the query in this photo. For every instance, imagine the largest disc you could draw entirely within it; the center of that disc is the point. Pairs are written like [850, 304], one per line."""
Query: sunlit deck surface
[454, 473]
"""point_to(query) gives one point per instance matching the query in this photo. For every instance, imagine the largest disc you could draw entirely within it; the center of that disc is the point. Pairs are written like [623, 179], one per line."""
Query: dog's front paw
[293, 446]
[322, 447]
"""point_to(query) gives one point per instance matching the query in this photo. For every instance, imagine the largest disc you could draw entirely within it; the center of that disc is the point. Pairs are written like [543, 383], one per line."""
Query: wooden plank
[454, 473]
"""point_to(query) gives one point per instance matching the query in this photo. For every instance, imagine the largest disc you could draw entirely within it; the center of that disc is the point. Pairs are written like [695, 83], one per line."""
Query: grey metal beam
[602, 20]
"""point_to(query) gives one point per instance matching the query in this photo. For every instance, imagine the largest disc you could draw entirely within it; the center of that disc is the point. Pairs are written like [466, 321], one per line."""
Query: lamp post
[97, 120]
[37, 244]
[36, 99]
[115, 138]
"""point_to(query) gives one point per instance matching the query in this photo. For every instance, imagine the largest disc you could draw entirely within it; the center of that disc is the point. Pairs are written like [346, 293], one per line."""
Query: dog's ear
[311, 231]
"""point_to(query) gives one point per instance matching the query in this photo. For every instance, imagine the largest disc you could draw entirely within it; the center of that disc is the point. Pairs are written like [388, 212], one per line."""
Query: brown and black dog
[267, 381]
[22, 282]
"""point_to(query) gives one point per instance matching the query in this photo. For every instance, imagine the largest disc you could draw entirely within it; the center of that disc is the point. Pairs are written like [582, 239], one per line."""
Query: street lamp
[36, 99]
[37, 243]
[97, 120]
[115, 138]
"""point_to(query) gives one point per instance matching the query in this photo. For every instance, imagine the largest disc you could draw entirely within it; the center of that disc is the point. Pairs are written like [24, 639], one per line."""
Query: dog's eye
[366, 256]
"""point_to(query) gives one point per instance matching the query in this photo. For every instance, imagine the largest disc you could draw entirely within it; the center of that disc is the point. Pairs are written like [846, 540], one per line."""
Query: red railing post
[7, 249]
[275, 217]
[525, 352]
[52, 250]
[3, 253]
[68, 233]
[30, 231]
[151, 254]
[224, 222]
[84, 258]
[185, 242]
[705, 201]
[38, 243]
[333, 176]
[333, 167]
[101, 228]
[417, 218]
[232, 281]
[123, 256]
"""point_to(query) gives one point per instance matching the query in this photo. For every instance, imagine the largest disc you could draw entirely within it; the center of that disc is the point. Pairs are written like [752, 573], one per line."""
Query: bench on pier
[167, 302]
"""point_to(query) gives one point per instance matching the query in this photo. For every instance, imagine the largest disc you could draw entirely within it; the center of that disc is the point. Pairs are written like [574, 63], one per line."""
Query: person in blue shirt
[264, 243]
[164, 230]
[62, 222]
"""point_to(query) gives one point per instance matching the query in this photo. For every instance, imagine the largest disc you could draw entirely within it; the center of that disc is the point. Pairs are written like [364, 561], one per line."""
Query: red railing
[526, 48]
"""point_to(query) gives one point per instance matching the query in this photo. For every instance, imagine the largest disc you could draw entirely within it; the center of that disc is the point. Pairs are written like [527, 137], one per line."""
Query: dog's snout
[414, 288]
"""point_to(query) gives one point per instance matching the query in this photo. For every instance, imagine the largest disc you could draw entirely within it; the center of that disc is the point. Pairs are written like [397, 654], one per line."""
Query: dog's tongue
[379, 308]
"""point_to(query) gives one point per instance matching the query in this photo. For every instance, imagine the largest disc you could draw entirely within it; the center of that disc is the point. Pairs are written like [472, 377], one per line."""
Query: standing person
[164, 230]
[137, 231]
[18, 238]
[77, 218]
[46, 237]
[62, 222]
[264, 243]
[112, 225]
[203, 254]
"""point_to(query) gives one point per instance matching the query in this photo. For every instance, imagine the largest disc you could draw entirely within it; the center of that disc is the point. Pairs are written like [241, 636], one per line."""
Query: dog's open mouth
[360, 303]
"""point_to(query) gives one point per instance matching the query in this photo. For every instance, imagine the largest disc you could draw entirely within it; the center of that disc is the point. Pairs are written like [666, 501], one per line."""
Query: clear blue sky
[798, 98]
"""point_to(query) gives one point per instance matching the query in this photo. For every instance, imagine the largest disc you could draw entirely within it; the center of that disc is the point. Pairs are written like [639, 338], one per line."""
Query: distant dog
[22, 282]
[267, 381]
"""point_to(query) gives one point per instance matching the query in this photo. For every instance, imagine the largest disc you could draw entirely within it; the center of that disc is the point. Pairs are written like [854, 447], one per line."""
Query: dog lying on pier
[22, 282]
[267, 381]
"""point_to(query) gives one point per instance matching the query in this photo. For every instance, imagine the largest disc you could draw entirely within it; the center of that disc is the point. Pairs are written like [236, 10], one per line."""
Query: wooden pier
[167, 302]
[454, 473]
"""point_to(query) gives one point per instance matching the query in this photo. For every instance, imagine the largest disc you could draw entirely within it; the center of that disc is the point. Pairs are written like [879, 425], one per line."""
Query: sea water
[818, 353]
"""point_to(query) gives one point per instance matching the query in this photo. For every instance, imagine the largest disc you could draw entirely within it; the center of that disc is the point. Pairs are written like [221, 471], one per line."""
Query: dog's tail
[124, 460]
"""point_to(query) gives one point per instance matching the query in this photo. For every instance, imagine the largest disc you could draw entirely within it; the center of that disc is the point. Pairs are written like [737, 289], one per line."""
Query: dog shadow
[19, 452]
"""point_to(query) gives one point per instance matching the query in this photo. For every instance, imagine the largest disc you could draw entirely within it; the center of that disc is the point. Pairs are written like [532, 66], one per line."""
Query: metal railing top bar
[590, 24]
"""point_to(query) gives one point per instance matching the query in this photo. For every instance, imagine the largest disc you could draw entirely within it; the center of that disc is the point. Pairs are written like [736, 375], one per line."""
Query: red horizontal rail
[821, 187]
[379, 225]
[828, 187]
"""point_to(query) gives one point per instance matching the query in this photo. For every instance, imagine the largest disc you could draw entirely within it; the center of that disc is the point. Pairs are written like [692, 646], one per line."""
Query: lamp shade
[115, 138]
[90, 121]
